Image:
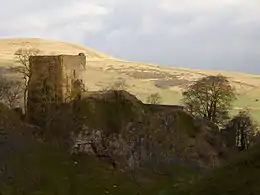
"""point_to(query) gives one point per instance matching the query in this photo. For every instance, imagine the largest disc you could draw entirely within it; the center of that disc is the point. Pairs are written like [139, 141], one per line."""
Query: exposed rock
[122, 128]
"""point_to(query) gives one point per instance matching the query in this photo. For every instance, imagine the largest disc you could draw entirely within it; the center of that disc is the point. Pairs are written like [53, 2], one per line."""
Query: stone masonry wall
[51, 82]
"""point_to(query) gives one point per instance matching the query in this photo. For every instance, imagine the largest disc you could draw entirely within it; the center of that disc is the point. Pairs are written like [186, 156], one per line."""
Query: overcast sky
[205, 34]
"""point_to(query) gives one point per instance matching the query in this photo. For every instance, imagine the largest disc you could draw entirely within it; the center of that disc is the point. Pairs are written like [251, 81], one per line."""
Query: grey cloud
[199, 40]
[213, 35]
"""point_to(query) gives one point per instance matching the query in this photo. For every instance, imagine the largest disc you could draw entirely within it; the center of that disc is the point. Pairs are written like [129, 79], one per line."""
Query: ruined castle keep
[54, 80]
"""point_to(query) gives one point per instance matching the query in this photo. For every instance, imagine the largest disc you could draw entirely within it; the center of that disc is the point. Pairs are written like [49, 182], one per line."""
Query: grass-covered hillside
[142, 79]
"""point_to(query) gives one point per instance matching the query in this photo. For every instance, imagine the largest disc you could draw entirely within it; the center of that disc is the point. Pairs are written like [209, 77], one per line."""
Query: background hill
[142, 79]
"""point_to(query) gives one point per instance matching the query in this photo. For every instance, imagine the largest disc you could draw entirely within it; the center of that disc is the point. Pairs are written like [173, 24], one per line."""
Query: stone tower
[54, 80]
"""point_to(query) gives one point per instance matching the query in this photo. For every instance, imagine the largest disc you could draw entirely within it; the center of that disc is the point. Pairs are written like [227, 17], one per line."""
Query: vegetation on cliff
[107, 142]
[241, 176]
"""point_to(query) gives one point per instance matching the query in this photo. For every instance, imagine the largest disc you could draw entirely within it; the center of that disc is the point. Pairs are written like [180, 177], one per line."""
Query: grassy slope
[48, 170]
[239, 177]
[142, 79]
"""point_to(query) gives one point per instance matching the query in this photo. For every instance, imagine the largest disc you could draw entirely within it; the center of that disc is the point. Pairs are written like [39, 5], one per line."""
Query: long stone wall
[160, 107]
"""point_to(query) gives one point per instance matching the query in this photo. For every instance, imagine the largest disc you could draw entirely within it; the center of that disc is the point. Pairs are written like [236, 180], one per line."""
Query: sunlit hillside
[142, 79]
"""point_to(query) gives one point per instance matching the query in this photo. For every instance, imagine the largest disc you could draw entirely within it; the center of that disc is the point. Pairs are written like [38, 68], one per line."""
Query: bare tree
[2, 87]
[210, 97]
[119, 84]
[22, 56]
[10, 92]
[154, 98]
[78, 89]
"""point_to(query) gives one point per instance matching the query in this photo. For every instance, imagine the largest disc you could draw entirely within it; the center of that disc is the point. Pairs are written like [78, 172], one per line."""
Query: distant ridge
[49, 47]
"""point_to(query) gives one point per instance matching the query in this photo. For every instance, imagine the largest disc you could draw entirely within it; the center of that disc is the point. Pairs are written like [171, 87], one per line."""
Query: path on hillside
[238, 108]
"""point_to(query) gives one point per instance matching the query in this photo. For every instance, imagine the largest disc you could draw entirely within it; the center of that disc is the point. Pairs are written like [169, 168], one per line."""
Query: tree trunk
[25, 100]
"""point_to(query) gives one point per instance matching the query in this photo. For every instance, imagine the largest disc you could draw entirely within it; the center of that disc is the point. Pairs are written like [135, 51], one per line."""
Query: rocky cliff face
[119, 129]
[118, 141]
